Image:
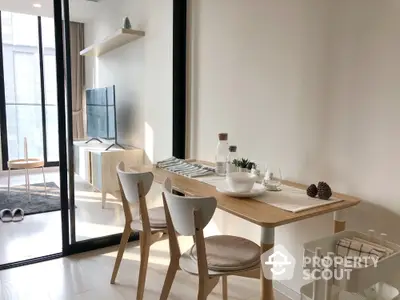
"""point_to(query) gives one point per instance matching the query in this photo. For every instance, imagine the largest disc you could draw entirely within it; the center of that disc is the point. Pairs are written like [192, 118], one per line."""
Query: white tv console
[97, 166]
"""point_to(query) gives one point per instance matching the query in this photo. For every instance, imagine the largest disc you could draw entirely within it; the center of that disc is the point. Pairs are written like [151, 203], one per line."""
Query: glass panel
[22, 84]
[26, 77]
[24, 118]
[50, 78]
[50, 84]
[24, 121]
[48, 33]
[52, 132]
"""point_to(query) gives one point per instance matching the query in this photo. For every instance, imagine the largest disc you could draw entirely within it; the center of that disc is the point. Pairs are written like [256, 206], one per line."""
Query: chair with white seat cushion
[151, 223]
[209, 258]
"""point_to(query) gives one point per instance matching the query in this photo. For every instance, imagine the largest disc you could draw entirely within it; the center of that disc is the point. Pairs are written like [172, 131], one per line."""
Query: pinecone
[324, 190]
[312, 190]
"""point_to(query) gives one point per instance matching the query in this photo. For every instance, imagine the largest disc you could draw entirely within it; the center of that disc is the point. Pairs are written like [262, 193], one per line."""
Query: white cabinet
[98, 166]
[103, 168]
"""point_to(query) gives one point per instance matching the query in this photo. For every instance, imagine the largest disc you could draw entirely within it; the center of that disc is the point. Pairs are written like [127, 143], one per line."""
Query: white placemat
[289, 199]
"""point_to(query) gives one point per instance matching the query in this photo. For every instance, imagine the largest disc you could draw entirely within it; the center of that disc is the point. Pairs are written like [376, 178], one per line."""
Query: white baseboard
[286, 291]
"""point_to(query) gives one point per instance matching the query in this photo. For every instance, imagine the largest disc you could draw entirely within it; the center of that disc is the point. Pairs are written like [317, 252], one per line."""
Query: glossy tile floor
[86, 277]
[40, 234]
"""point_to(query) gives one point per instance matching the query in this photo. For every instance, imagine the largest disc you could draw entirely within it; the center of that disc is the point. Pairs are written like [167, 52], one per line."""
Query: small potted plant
[244, 165]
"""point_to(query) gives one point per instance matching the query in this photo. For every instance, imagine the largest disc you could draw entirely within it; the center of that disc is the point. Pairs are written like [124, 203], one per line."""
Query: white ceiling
[80, 10]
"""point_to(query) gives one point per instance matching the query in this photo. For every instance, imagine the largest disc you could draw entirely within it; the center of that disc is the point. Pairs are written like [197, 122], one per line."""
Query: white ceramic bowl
[241, 182]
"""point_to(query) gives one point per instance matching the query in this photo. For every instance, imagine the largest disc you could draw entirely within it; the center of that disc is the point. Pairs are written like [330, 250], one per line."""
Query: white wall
[311, 86]
[141, 71]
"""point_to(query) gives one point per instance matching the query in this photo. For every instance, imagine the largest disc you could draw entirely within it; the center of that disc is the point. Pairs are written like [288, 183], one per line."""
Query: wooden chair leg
[201, 295]
[206, 286]
[145, 240]
[169, 279]
[225, 287]
[121, 250]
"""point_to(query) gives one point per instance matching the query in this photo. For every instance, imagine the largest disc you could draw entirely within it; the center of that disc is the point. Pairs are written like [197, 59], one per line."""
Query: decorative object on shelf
[312, 191]
[324, 190]
[127, 23]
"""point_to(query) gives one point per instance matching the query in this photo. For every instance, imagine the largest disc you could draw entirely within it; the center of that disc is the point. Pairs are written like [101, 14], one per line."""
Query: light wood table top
[251, 210]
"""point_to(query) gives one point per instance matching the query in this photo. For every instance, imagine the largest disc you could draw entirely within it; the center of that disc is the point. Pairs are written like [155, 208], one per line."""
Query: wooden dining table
[266, 216]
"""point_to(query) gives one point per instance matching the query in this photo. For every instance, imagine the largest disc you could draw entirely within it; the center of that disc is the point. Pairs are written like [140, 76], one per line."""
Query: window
[22, 80]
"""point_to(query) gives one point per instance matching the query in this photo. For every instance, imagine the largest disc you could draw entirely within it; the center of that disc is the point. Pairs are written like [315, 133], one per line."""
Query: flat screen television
[100, 109]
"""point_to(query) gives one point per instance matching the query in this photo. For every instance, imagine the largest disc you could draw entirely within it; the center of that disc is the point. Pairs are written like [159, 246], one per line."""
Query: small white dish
[257, 190]
[241, 182]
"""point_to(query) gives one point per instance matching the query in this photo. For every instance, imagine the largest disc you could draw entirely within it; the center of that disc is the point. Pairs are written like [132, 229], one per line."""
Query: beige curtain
[78, 78]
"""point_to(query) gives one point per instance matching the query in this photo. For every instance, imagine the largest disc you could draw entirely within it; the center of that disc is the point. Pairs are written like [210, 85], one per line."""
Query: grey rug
[36, 203]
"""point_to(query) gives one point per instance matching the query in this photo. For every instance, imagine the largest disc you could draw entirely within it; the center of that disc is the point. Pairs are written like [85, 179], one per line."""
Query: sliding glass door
[30, 87]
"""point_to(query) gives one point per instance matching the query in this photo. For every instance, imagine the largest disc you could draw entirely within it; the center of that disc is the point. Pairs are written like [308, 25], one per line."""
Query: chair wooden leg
[201, 295]
[206, 286]
[225, 287]
[121, 250]
[169, 279]
[145, 240]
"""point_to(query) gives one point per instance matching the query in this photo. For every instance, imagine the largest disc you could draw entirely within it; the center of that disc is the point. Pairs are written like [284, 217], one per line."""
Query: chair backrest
[182, 210]
[129, 182]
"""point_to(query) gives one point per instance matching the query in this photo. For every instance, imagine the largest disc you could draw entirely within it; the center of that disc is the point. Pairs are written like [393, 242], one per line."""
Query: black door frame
[179, 81]
[3, 110]
[61, 16]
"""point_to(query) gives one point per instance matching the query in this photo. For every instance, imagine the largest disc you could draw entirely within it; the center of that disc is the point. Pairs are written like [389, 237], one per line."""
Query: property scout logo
[278, 264]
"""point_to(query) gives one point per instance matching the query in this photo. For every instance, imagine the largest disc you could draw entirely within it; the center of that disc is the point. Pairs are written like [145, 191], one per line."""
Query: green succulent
[244, 163]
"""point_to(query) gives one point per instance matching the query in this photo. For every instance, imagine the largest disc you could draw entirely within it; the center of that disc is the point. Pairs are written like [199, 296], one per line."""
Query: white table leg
[267, 242]
[44, 181]
[339, 221]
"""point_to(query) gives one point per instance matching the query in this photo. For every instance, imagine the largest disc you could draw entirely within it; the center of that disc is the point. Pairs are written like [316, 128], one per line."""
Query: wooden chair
[26, 163]
[151, 224]
[209, 258]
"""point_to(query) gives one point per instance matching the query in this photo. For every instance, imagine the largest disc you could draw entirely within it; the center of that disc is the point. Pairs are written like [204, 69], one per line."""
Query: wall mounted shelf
[118, 39]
